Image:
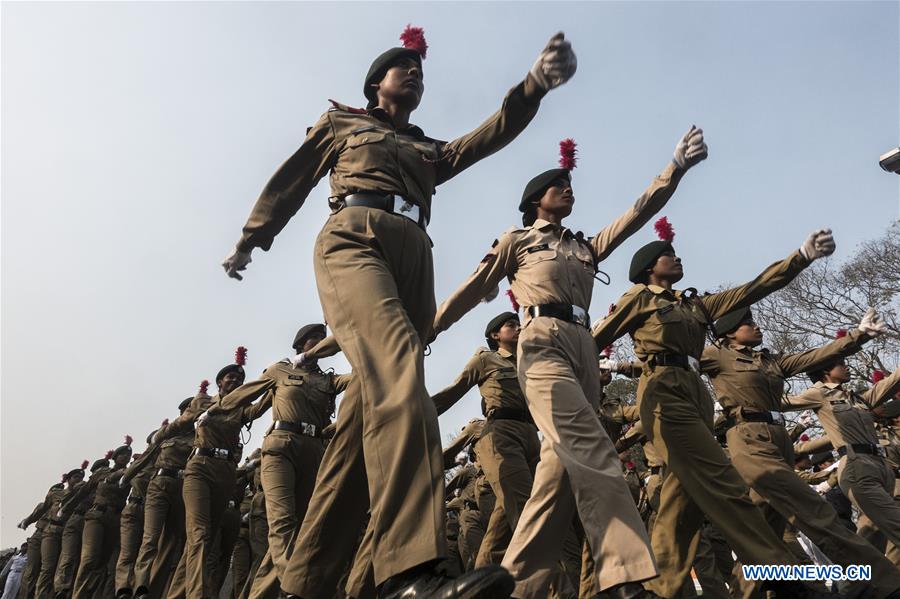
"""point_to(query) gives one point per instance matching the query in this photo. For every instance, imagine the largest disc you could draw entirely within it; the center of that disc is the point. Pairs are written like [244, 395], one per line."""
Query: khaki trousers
[131, 531]
[868, 482]
[223, 546]
[761, 453]
[677, 417]
[241, 560]
[260, 560]
[32, 566]
[69, 555]
[375, 279]
[208, 484]
[99, 543]
[508, 452]
[471, 534]
[163, 539]
[361, 578]
[290, 463]
[51, 544]
[579, 468]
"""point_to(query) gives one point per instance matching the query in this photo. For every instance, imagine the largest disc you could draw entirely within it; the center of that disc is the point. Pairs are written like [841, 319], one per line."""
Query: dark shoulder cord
[690, 294]
[579, 237]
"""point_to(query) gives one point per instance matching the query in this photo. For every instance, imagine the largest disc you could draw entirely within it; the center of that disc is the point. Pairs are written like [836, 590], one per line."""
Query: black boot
[628, 590]
[490, 582]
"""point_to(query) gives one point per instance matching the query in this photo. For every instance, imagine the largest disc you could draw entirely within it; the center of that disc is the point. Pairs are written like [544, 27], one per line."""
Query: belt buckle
[404, 207]
[308, 429]
[879, 450]
[222, 454]
[777, 417]
[580, 316]
[693, 363]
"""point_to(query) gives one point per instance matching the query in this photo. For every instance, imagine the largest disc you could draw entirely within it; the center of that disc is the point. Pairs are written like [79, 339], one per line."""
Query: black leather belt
[655, 469]
[510, 414]
[170, 472]
[389, 203]
[677, 360]
[57, 522]
[213, 452]
[861, 448]
[138, 500]
[470, 504]
[767, 417]
[566, 312]
[300, 428]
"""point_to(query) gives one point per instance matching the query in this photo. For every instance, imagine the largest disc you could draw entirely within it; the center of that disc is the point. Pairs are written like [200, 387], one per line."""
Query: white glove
[556, 64]
[59, 514]
[22, 525]
[235, 262]
[819, 244]
[690, 149]
[871, 323]
[299, 360]
[201, 419]
[823, 488]
[607, 364]
[807, 418]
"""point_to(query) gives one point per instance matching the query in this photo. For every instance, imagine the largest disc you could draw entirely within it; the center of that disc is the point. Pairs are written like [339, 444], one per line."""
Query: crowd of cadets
[557, 490]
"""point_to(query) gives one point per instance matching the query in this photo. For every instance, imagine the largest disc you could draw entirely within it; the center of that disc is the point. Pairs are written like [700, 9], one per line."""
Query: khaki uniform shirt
[846, 415]
[466, 481]
[546, 263]
[364, 151]
[174, 452]
[675, 322]
[495, 374]
[614, 415]
[753, 380]
[42, 513]
[221, 427]
[302, 394]
[184, 424]
[82, 498]
[109, 493]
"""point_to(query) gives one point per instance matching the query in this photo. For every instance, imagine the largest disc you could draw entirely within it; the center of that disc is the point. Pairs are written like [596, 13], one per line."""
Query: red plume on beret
[607, 351]
[629, 464]
[804, 437]
[204, 385]
[840, 334]
[413, 38]
[109, 454]
[612, 308]
[877, 375]
[128, 440]
[165, 422]
[84, 464]
[240, 355]
[512, 300]
[65, 477]
[664, 229]
[567, 151]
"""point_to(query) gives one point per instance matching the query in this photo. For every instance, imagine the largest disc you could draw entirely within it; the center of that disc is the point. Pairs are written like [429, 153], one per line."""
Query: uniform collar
[505, 354]
[542, 224]
[410, 129]
[657, 290]
[830, 385]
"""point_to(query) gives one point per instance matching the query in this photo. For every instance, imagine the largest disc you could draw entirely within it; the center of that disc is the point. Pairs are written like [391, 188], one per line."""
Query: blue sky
[136, 137]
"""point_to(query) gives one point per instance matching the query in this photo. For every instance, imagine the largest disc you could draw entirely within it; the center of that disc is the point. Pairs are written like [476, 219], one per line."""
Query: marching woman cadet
[668, 328]
[163, 539]
[100, 536]
[131, 522]
[209, 478]
[40, 516]
[749, 384]
[375, 279]
[847, 417]
[303, 402]
[51, 541]
[551, 272]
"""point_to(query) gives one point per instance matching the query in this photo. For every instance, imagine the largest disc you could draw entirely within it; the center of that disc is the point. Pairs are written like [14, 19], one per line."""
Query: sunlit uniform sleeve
[468, 378]
[793, 364]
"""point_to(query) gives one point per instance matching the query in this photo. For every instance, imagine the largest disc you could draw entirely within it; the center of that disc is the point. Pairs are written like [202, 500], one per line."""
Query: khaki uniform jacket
[889, 438]
[301, 394]
[753, 380]
[82, 498]
[470, 433]
[614, 415]
[364, 151]
[548, 264]
[465, 481]
[498, 381]
[42, 512]
[846, 415]
[675, 322]
[109, 493]
[221, 427]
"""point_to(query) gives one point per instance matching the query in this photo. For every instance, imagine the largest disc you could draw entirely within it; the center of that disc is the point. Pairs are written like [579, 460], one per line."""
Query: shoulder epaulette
[335, 105]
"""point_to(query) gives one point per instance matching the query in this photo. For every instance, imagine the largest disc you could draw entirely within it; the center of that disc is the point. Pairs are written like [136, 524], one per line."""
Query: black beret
[537, 186]
[380, 66]
[101, 463]
[122, 449]
[304, 332]
[494, 325]
[231, 368]
[889, 409]
[645, 257]
[184, 404]
[730, 322]
[72, 473]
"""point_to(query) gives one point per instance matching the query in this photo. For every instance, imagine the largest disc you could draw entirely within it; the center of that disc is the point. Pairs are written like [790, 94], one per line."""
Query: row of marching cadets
[361, 507]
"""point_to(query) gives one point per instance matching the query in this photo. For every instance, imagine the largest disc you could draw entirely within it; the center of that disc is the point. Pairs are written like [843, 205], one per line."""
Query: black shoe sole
[499, 586]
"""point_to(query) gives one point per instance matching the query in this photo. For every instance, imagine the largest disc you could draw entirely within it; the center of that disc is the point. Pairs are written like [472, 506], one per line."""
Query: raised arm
[469, 433]
[468, 378]
[499, 262]
[883, 390]
[819, 244]
[793, 364]
[628, 313]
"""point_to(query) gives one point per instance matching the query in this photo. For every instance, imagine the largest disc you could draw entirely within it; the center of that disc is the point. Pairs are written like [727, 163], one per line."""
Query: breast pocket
[745, 366]
[540, 263]
[584, 256]
[425, 150]
[365, 138]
